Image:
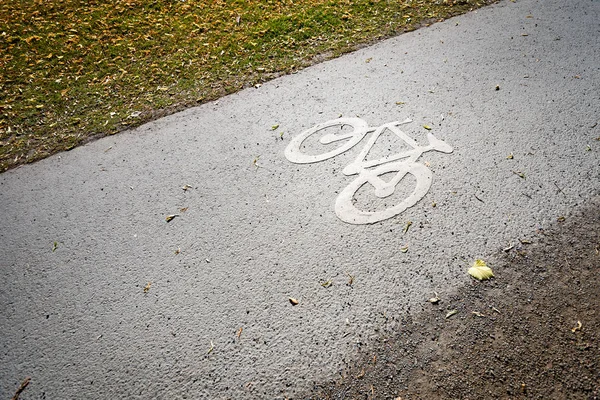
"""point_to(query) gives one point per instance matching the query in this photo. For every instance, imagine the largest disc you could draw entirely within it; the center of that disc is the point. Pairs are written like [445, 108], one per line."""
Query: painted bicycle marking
[370, 171]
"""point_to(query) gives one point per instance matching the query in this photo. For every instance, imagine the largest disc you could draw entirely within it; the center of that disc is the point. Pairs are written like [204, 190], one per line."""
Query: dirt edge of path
[532, 332]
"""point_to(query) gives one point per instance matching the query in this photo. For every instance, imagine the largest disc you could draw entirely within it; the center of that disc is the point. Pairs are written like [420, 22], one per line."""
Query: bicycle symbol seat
[370, 171]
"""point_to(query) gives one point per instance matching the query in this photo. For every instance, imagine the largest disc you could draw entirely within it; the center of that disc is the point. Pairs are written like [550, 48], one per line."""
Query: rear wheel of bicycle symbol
[370, 171]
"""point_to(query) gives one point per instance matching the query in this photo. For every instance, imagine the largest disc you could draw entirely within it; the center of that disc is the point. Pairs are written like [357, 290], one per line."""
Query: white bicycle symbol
[344, 205]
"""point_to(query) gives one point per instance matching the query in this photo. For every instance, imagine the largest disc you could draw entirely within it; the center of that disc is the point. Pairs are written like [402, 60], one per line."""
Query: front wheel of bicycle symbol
[346, 209]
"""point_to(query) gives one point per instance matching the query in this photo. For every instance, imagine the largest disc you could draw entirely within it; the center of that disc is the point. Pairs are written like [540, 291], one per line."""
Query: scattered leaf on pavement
[434, 300]
[427, 127]
[147, 287]
[577, 328]
[477, 313]
[212, 347]
[404, 249]
[350, 279]
[186, 187]
[54, 246]
[21, 388]
[327, 284]
[184, 209]
[519, 174]
[408, 224]
[239, 332]
[274, 127]
[169, 218]
[480, 270]
[255, 162]
[451, 313]
[510, 156]
[293, 301]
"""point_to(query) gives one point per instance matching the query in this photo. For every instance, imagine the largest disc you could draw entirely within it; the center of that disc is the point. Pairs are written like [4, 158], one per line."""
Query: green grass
[73, 70]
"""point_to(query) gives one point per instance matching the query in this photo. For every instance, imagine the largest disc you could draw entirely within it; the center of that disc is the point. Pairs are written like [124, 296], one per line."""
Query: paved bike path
[101, 297]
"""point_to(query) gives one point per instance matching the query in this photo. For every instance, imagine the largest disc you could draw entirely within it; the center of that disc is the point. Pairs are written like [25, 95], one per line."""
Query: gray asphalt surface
[83, 233]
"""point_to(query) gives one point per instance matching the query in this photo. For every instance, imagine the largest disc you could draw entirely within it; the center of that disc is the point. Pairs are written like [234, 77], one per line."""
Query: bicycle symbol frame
[369, 171]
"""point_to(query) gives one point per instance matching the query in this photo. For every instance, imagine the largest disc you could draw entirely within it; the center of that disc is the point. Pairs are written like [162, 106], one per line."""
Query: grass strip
[74, 70]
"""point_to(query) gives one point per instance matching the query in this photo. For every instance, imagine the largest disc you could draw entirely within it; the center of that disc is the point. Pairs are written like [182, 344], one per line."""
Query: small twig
[478, 198]
[21, 388]
[559, 189]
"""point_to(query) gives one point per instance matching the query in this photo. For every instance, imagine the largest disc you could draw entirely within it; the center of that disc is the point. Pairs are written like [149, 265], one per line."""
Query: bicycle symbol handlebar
[345, 208]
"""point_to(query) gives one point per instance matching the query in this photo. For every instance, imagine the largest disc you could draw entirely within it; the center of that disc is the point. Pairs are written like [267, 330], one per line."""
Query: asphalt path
[101, 297]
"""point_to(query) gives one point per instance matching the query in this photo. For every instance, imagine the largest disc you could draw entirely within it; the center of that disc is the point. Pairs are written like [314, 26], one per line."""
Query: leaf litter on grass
[72, 71]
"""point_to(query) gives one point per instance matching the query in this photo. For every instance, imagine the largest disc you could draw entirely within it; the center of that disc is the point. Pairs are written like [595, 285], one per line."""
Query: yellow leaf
[480, 270]
[427, 127]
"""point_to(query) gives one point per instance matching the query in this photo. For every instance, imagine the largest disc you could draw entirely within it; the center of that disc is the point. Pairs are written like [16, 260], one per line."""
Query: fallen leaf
[147, 287]
[510, 156]
[497, 87]
[186, 187]
[427, 127]
[451, 313]
[274, 127]
[21, 388]
[170, 218]
[561, 219]
[293, 301]
[577, 328]
[255, 162]
[404, 249]
[239, 332]
[399, 103]
[178, 251]
[434, 300]
[327, 284]
[350, 279]
[184, 209]
[408, 224]
[519, 174]
[368, 60]
[477, 313]
[54, 246]
[480, 270]
[212, 347]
